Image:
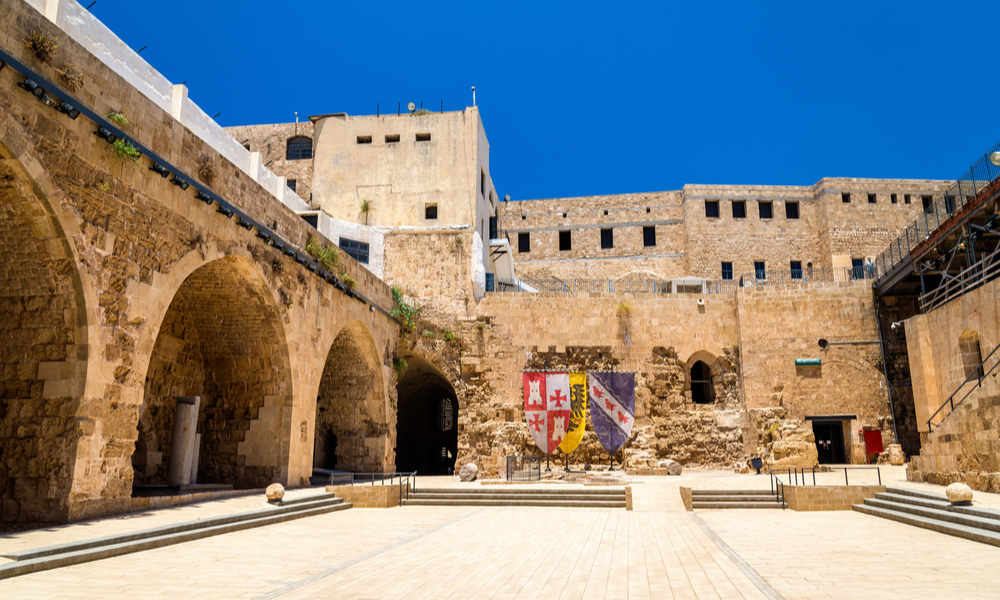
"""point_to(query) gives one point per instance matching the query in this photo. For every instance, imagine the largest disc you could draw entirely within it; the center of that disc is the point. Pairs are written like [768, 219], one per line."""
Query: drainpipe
[885, 372]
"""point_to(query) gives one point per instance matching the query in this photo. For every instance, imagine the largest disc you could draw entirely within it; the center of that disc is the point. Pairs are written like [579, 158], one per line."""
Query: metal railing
[984, 271]
[797, 474]
[524, 468]
[978, 376]
[967, 188]
[808, 275]
[615, 286]
[406, 480]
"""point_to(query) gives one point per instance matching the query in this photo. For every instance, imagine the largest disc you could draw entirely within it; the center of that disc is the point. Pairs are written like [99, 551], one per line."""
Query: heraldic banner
[547, 407]
[612, 404]
[578, 415]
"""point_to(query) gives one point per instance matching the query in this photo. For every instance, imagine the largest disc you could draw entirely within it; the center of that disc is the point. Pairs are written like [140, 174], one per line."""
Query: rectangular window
[357, 250]
[482, 183]
[758, 270]
[766, 210]
[928, 203]
[739, 209]
[430, 211]
[871, 199]
[796, 266]
[791, 210]
[565, 243]
[392, 139]
[845, 198]
[524, 242]
[906, 198]
[364, 139]
[423, 137]
[857, 268]
[711, 208]
[727, 270]
[649, 236]
[607, 238]
[893, 199]
[291, 184]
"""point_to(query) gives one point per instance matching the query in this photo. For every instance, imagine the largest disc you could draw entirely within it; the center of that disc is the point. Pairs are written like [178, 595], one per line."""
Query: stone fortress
[747, 312]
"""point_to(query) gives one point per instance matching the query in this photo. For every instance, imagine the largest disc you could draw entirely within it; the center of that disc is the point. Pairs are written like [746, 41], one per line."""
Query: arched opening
[702, 389]
[971, 354]
[40, 317]
[427, 426]
[352, 428]
[299, 148]
[221, 339]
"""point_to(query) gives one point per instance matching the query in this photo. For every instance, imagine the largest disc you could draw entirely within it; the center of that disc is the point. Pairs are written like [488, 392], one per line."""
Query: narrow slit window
[364, 139]
[423, 137]
[392, 139]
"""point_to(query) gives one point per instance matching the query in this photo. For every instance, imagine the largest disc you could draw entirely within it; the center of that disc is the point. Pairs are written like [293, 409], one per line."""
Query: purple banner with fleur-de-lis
[612, 407]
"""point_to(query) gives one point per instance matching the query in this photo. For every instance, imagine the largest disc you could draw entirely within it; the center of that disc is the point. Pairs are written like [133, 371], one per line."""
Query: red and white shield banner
[547, 408]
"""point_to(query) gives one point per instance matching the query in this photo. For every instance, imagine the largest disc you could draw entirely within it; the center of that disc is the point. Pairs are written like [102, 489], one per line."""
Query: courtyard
[657, 550]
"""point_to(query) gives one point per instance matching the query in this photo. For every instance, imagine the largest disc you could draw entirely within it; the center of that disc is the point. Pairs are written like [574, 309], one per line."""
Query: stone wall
[370, 496]
[271, 141]
[828, 497]
[965, 448]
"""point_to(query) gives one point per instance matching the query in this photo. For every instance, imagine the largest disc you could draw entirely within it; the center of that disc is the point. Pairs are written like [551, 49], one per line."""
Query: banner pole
[611, 459]
[547, 468]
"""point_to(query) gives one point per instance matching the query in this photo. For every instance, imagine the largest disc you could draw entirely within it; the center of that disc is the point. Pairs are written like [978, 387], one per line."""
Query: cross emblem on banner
[536, 422]
[558, 398]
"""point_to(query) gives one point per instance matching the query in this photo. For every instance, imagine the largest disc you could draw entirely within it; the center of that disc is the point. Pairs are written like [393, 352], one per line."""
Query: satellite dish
[410, 106]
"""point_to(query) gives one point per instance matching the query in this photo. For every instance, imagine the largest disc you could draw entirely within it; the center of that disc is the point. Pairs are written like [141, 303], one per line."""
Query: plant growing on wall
[366, 207]
[207, 171]
[126, 151]
[118, 118]
[349, 281]
[624, 311]
[41, 45]
[71, 77]
[449, 336]
[327, 256]
[404, 311]
[428, 334]
[399, 364]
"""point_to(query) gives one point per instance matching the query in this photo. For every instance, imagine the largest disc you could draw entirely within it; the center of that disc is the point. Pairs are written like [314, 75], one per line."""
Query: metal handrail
[796, 472]
[404, 478]
[807, 275]
[612, 286]
[984, 271]
[979, 375]
[979, 178]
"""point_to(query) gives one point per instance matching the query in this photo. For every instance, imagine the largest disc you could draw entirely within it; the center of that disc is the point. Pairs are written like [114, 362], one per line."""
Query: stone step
[484, 496]
[732, 493]
[51, 557]
[913, 500]
[536, 502]
[936, 513]
[518, 491]
[962, 531]
[726, 498]
[916, 494]
[743, 504]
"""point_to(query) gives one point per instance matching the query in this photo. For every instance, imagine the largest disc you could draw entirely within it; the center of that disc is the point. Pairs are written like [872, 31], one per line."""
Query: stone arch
[423, 441]
[970, 353]
[44, 341]
[353, 431]
[222, 338]
[703, 373]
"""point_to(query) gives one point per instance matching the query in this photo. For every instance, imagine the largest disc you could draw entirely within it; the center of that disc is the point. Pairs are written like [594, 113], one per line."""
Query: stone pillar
[194, 460]
[182, 445]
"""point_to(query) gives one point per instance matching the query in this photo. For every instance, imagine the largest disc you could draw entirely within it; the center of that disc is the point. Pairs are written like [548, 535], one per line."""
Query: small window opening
[392, 139]
[565, 242]
[766, 210]
[364, 139]
[893, 199]
[423, 137]
[928, 202]
[872, 199]
[791, 210]
[906, 198]
[564, 215]
[845, 198]
[524, 242]
[972, 354]
[711, 208]
[607, 239]
[759, 272]
[649, 236]
[482, 183]
[702, 391]
[647, 209]
[605, 213]
[727, 271]
[796, 268]
[291, 184]
[739, 209]
[523, 217]
[430, 211]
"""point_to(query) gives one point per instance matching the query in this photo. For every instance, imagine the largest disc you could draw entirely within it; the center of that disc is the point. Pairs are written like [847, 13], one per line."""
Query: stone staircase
[933, 511]
[735, 499]
[494, 496]
[73, 553]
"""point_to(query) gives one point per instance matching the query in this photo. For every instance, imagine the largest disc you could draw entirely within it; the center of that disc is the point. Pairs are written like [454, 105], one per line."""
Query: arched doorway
[702, 388]
[42, 329]
[427, 425]
[221, 339]
[352, 427]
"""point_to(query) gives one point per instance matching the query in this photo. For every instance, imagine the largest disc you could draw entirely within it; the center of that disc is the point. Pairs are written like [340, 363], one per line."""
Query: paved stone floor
[655, 551]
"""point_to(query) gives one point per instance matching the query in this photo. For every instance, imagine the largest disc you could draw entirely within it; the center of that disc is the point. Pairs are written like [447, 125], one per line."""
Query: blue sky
[584, 98]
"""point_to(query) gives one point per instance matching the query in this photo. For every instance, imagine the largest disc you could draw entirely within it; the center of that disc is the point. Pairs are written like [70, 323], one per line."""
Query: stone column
[182, 445]
[194, 461]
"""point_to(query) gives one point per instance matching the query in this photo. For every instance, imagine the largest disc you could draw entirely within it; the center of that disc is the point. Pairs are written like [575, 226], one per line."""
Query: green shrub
[327, 256]
[349, 282]
[126, 151]
[118, 118]
[399, 364]
[403, 311]
[428, 334]
[449, 336]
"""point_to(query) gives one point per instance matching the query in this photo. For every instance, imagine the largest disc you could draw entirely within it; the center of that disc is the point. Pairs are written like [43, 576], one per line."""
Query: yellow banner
[578, 420]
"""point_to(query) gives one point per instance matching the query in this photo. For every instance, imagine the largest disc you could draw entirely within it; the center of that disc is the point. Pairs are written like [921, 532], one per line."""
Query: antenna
[473, 95]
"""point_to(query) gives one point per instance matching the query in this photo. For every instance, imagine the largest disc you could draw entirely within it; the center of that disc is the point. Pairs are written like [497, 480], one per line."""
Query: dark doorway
[830, 442]
[702, 391]
[325, 451]
[427, 421]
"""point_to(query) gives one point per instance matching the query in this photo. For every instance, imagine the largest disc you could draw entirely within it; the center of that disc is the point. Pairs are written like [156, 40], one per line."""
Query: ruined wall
[272, 143]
